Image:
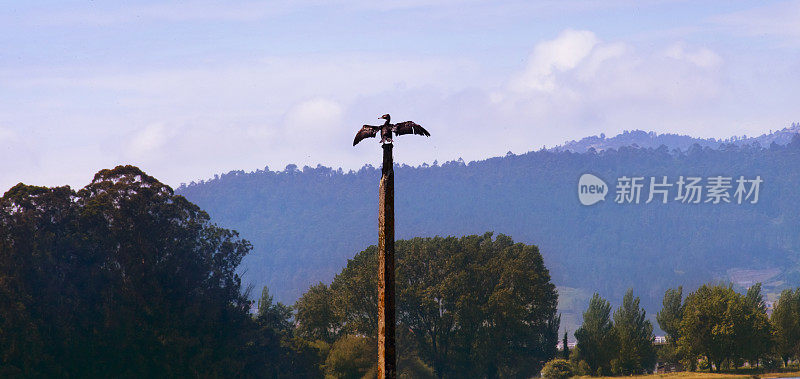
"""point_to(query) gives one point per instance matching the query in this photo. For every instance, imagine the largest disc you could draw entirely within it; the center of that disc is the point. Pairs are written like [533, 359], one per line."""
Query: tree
[470, 305]
[276, 316]
[597, 341]
[669, 319]
[121, 278]
[355, 294]
[636, 353]
[565, 344]
[786, 322]
[315, 315]
[284, 354]
[717, 323]
[513, 325]
[757, 330]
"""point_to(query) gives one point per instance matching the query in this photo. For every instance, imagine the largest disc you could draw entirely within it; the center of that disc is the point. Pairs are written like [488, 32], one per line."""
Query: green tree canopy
[786, 321]
[721, 324]
[284, 354]
[669, 319]
[316, 311]
[272, 314]
[557, 369]
[597, 340]
[121, 278]
[636, 354]
[756, 329]
[352, 357]
[473, 305]
[707, 327]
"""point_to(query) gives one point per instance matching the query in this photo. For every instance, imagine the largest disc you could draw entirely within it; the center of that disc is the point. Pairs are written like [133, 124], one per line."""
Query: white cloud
[600, 55]
[313, 123]
[551, 57]
[578, 84]
[577, 70]
[701, 57]
[147, 141]
[314, 115]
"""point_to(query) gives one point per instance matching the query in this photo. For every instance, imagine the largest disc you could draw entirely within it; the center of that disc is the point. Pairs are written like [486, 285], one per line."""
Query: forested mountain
[640, 138]
[305, 223]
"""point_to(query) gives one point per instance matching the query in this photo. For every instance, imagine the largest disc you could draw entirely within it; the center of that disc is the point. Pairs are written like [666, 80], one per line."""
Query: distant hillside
[640, 138]
[305, 223]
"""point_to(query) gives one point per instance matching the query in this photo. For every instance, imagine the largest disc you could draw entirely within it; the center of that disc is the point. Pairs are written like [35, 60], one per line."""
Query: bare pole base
[387, 363]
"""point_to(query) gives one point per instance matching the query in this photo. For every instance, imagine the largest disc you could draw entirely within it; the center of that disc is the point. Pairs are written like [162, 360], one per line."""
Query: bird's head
[384, 117]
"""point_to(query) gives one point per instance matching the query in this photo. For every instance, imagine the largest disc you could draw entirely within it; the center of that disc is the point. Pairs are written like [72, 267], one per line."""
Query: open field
[706, 375]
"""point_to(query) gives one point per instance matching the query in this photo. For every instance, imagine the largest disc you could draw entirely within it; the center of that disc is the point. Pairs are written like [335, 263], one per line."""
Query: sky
[189, 89]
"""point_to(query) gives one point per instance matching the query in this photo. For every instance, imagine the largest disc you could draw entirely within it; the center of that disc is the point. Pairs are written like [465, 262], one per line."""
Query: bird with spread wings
[405, 127]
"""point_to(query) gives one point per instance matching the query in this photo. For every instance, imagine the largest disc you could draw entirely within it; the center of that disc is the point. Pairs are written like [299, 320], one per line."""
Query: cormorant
[405, 127]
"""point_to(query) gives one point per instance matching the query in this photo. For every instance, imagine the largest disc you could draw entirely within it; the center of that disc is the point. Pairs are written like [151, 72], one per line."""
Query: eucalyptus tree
[121, 278]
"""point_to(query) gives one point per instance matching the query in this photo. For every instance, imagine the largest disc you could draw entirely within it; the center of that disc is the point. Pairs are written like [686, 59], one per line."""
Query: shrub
[582, 368]
[771, 362]
[704, 364]
[351, 357]
[414, 368]
[557, 369]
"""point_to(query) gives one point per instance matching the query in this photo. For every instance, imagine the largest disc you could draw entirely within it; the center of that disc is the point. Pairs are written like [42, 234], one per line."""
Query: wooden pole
[387, 368]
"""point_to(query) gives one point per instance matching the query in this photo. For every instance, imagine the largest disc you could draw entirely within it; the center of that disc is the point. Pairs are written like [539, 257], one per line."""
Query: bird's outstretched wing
[367, 131]
[409, 127]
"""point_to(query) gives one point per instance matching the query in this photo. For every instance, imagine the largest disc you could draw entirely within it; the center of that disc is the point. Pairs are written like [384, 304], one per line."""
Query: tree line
[125, 278]
[718, 328]
[713, 328]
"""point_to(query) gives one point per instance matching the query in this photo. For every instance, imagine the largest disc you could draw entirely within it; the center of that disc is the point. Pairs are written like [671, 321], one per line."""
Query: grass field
[706, 375]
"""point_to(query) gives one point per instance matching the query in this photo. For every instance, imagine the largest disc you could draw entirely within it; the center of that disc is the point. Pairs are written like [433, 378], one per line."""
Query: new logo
[591, 189]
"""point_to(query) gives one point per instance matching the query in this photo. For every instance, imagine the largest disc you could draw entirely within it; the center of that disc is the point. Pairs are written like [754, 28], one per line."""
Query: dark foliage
[472, 306]
[120, 279]
[786, 321]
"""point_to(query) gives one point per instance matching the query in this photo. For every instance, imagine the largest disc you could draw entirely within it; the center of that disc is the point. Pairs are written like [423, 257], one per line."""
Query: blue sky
[192, 88]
